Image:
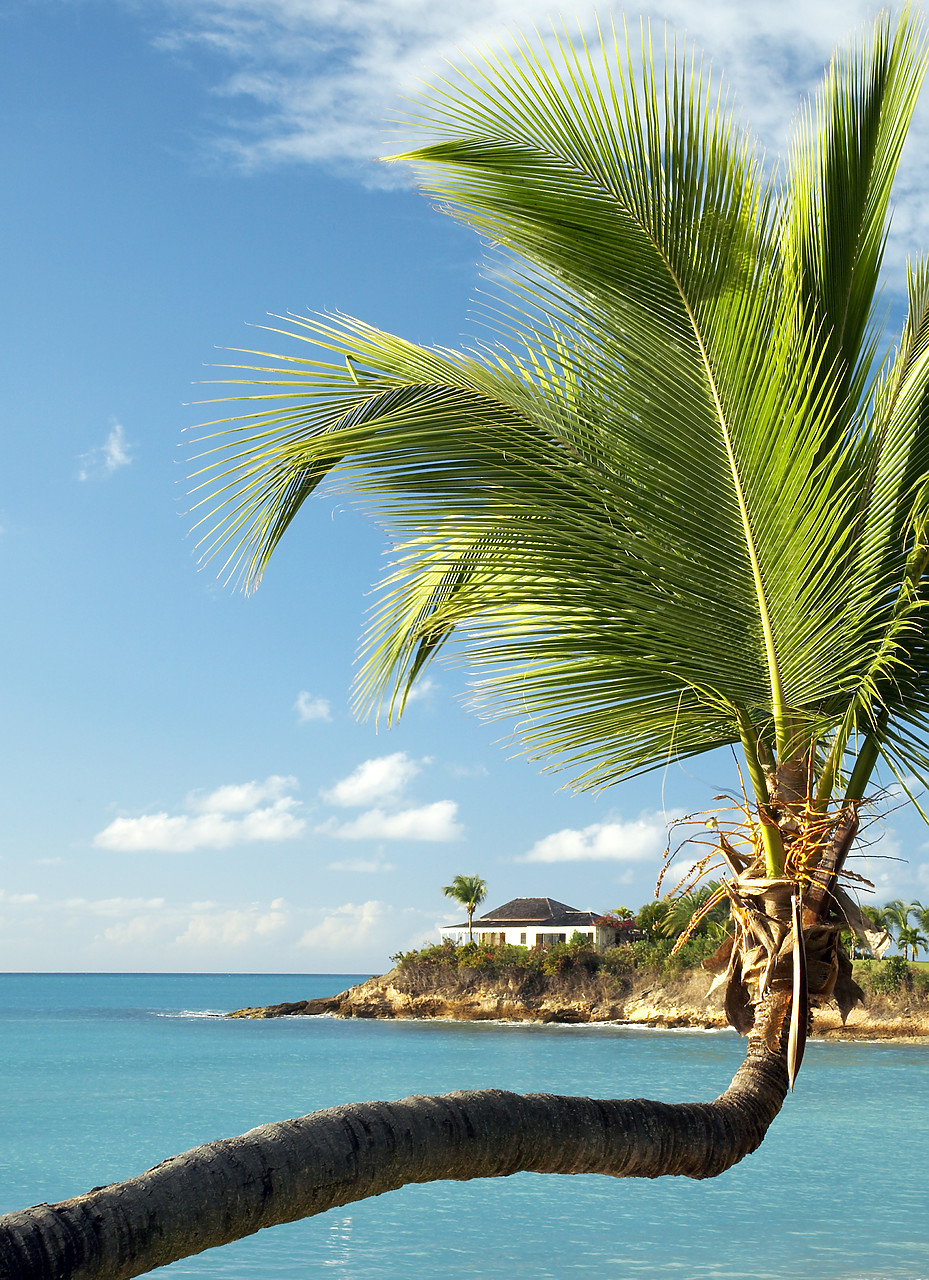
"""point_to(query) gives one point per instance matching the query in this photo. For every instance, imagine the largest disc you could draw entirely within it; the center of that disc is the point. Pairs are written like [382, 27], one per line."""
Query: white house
[532, 922]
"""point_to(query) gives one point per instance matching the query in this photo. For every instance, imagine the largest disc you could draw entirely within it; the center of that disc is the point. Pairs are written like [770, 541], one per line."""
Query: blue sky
[184, 786]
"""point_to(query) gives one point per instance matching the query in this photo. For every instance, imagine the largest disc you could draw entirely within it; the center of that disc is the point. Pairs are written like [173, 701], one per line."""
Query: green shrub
[443, 954]
[574, 956]
[558, 959]
[618, 960]
[890, 976]
[652, 953]
[649, 918]
[476, 955]
[697, 948]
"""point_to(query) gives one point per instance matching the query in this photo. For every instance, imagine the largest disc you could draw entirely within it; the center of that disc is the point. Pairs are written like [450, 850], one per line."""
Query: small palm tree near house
[470, 891]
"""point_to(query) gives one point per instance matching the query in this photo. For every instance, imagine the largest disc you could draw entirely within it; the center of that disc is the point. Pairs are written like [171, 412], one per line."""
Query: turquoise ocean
[104, 1075]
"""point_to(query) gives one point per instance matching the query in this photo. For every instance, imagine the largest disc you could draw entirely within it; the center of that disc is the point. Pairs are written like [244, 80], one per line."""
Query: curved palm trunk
[281, 1172]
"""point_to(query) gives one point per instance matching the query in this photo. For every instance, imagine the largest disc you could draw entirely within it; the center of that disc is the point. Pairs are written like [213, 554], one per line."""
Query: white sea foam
[193, 1013]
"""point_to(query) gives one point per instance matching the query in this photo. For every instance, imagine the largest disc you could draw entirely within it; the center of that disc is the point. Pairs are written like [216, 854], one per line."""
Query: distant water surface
[103, 1075]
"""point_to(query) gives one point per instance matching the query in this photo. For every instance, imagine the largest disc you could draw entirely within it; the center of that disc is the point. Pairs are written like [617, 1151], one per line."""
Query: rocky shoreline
[643, 1000]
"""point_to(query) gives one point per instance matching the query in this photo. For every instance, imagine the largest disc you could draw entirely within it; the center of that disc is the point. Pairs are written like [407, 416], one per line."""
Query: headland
[642, 999]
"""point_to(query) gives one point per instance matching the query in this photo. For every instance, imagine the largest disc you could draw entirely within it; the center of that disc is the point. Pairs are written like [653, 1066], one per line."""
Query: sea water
[104, 1075]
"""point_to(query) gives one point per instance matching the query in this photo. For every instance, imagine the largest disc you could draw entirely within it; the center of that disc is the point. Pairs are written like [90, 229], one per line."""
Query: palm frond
[843, 163]
[645, 509]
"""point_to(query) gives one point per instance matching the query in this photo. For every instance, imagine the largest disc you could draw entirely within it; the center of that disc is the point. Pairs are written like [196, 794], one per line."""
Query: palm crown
[470, 891]
[682, 503]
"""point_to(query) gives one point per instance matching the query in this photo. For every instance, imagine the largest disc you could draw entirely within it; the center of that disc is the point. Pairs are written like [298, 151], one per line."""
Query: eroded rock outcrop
[639, 999]
[471, 996]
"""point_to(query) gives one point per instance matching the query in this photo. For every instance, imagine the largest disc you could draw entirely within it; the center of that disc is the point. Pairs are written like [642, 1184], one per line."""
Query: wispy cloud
[194, 928]
[635, 841]
[261, 812]
[113, 906]
[345, 926]
[113, 454]
[881, 858]
[422, 691]
[122, 932]
[241, 797]
[363, 866]
[310, 81]
[232, 928]
[430, 822]
[309, 708]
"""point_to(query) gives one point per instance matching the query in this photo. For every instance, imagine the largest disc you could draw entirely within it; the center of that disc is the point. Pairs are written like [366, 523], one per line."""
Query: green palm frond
[668, 511]
[843, 164]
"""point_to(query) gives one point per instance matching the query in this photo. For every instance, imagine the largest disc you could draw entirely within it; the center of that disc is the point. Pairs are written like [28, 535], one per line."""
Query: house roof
[531, 913]
[528, 909]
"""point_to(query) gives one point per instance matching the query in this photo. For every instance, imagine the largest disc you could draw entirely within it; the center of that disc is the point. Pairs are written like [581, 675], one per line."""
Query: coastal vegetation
[878, 977]
[652, 950]
[679, 501]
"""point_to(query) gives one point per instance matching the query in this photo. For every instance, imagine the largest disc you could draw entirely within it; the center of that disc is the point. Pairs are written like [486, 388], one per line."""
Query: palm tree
[909, 937]
[470, 891]
[703, 907]
[682, 504]
[922, 915]
[896, 915]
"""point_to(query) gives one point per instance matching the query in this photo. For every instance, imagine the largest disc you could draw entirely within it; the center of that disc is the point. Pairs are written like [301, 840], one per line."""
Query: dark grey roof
[532, 913]
[528, 909]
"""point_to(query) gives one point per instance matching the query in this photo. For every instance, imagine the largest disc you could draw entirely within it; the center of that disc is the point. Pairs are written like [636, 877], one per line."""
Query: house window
[522, 939]
[550, 939]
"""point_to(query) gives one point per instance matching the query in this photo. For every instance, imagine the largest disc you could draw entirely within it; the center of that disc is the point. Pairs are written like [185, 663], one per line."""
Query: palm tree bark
[277, 1173]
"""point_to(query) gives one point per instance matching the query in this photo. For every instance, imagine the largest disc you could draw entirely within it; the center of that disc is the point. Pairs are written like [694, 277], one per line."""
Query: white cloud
[325, 75]
[421, 689]
[430, 822]
[83, 906]
[193, 927]
[309, 708]
[264, 813]
[230, 928]
[374, 781]
[348, 925]
[113, 906]
[363, 865]
[113, 454]
[317, 79]
[121, 933]
[644, 837]
[678, 873]
[880, 859]
[241, 797]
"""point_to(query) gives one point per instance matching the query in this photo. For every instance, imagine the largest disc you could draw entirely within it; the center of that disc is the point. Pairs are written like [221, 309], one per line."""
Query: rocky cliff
[638, 1000]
